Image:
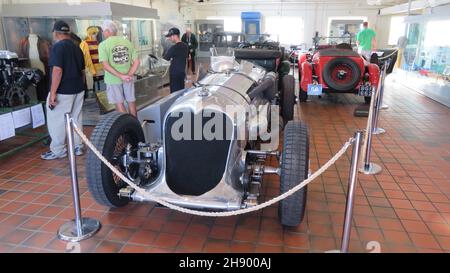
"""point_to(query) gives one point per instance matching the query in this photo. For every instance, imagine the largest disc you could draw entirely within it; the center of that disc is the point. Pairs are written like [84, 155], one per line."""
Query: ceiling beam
[415, 5]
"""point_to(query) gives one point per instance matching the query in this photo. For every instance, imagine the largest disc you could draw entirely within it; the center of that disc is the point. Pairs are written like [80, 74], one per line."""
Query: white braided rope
[390, 55]
[212, 214]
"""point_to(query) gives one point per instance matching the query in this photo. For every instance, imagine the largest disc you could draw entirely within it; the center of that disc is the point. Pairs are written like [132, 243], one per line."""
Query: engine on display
[15, 80]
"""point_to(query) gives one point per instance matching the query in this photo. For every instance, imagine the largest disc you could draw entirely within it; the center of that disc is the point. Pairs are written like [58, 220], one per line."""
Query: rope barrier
[143, 192]
[388, 56]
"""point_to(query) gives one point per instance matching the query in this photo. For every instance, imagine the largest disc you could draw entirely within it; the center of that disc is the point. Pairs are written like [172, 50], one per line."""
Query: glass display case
[426, 59]
[206, 31]
[138, 24]
[141, 32]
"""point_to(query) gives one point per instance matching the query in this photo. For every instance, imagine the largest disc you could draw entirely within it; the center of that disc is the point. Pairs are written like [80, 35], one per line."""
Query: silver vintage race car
[191, 150]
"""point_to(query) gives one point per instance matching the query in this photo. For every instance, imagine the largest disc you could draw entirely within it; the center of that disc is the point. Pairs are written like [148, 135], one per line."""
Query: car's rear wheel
[302, 95]
[294, 170]
[111, 137]
[288, 98]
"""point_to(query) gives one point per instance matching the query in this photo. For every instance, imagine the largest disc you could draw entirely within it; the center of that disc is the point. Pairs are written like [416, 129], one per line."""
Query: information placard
[21, 117]
[37, 115]
[7, 129]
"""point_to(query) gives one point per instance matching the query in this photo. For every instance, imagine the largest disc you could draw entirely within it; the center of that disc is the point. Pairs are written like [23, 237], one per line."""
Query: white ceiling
[250, 2]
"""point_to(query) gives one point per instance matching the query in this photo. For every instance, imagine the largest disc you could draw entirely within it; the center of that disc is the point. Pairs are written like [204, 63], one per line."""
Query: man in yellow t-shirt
[120, 62]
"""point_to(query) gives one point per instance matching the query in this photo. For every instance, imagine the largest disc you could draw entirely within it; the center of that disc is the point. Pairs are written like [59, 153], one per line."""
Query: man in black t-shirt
[178, 55]
[67, 86]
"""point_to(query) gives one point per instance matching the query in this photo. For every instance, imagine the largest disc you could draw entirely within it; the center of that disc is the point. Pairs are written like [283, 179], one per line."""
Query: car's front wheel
[111, 137]
[294, 170]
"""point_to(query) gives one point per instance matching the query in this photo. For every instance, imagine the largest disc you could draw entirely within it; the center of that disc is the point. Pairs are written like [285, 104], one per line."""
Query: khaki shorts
[118, 93]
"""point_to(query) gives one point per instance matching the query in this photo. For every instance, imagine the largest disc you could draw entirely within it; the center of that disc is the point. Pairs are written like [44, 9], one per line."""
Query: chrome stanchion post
[376, 130]
[369, 167]
[384, 106]
[80, 228]
[353, 178]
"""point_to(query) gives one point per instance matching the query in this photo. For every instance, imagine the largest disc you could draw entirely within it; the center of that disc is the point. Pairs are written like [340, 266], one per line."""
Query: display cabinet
[138, 24]
[206, 31]
[425, 64]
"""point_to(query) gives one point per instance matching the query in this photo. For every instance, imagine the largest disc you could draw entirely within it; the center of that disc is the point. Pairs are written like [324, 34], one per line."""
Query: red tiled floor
[424, 241]
[396, 237]
[192, 243]
[133, 249]
[415, 226]
[167, 240]
[222, 232]
[406, 208]
[119, 234]
[216, 246]
[108, 247]
[241, 247]
[39, 239]
[144, 237]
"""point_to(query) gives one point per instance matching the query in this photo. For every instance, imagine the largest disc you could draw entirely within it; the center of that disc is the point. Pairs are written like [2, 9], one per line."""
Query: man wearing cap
[178, 55]
[67, 81]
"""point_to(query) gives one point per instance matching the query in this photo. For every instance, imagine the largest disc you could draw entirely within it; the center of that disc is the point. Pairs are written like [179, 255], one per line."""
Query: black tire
[374, 59]
[101, 182]
[367, 100]
[288, 98]
[294, 170]
[302, 95]
[350, 65]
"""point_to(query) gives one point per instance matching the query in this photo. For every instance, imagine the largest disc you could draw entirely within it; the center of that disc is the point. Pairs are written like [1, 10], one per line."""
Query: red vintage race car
[336, 70]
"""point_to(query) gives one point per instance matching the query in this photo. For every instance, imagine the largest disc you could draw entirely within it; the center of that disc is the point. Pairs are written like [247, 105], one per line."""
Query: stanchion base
[384, 107]
[68, 231]
[371, 169]
[378, 131]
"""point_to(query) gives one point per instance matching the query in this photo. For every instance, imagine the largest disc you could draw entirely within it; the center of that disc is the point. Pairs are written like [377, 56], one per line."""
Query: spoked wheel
[111, 137]
[119, 151]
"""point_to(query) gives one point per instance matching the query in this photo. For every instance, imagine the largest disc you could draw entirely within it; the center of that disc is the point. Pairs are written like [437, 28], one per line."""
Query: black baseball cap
[173, 31]
[61, 26]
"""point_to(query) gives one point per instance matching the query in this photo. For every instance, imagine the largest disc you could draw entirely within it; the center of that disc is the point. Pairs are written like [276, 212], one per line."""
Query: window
[286, 30]
[437, 34]
[233, 24]
[397, 29]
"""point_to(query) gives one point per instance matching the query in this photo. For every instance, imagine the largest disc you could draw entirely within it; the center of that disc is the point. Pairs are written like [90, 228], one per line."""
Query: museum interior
[210, 126]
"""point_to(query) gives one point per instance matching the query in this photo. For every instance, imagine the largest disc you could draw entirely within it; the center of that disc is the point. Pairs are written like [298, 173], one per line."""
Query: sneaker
[50, 155]
[79, 151]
